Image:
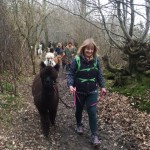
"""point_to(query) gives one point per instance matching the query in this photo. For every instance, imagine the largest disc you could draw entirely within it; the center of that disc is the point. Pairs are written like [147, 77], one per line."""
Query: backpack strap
[77, 58]
[95, 63]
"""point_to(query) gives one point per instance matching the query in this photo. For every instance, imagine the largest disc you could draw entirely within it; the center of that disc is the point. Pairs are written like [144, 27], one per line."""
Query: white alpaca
[40, 52]
[49, 59]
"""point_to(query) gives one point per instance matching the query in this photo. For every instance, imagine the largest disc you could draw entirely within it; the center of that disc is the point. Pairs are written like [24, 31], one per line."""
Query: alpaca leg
[52, 116]
[44, 122]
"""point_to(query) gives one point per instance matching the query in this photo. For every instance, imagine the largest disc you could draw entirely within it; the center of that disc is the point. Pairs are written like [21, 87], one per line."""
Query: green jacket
[68, 53]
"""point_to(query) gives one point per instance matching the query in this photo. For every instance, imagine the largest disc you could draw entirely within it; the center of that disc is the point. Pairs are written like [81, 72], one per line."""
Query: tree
[137, 49]
[45, 23]
[29, 21]
[11, 53]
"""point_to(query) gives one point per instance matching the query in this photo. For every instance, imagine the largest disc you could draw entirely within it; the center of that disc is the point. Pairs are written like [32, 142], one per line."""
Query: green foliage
[8, 105]
[6, 86]
[107, 74]
[10, 102]
[7, 101]
[146, 106]
[137, 89]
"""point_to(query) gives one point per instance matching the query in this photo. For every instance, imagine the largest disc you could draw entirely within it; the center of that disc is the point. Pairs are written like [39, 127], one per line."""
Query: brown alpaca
[57, 60]
[46, 96]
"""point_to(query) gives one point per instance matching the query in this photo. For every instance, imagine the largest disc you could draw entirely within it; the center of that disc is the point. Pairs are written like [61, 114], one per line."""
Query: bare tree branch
[147, 21]
[132, 18]
[98, 27]
[103, 18]
[121, 22]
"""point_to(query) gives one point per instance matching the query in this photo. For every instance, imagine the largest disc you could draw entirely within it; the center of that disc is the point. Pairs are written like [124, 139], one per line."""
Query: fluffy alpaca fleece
[49, 59]
[40, 52]
[46, 96]
[53, 61]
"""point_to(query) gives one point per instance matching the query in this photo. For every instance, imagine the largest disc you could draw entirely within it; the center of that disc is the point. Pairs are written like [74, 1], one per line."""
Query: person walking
[63, 58]
[83, 78]
[69, 52]
[58, 49]
[49, 46]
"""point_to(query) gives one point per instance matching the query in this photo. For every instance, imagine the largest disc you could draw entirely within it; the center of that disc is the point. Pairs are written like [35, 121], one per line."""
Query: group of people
[67, 54]
[83, 78]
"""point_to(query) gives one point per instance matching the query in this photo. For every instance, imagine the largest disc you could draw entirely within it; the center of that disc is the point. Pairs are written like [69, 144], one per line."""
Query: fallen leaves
[116, 111]
[120, 126]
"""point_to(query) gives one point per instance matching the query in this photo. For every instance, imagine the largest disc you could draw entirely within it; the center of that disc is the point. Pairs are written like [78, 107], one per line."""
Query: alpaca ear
[42, 65]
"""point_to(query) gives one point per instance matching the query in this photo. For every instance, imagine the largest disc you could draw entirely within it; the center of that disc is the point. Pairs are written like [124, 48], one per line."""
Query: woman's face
[88, 51]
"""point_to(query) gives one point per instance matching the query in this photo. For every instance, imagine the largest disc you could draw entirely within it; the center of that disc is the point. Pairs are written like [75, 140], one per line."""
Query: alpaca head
[48, 75]
[49, 59]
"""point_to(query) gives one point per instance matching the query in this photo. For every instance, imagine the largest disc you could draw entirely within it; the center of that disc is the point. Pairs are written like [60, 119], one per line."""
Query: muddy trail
[119, 126]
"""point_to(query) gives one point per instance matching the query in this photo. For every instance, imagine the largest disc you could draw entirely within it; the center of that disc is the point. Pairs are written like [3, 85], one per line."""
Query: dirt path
[118, 128]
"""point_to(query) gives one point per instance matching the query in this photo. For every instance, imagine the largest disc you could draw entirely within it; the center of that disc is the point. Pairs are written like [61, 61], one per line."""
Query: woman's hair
[86, 43]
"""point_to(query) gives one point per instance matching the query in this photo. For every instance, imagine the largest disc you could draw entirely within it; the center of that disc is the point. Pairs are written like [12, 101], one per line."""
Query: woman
[83, 79]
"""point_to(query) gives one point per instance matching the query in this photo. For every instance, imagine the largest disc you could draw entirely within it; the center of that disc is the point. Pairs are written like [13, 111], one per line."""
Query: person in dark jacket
[58, 49]
[83, 78]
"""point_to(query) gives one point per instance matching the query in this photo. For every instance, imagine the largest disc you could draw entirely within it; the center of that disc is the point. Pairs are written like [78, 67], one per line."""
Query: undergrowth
[9, 103]
[138, 92]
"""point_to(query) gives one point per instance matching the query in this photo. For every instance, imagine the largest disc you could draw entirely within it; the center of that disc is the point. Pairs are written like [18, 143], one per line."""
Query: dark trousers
[87, 100]
[63, 65]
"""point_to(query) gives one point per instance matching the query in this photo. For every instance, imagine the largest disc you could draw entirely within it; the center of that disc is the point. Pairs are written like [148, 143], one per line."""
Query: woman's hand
[103, 91]
[102, 94]
[72, 89]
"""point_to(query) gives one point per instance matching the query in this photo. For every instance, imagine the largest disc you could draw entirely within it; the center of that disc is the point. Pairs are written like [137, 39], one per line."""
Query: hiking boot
[79, 130]
[95, 140]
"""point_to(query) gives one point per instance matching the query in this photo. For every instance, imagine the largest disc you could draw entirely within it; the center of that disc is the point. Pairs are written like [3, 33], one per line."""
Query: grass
[9, 104]
[6, 86]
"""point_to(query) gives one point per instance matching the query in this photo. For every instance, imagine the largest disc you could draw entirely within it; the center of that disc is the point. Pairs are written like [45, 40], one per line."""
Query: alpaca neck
[47, 91]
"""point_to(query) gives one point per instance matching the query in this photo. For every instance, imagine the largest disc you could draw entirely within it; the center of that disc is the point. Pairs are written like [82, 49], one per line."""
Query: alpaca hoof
[53, 124]
[46, 134]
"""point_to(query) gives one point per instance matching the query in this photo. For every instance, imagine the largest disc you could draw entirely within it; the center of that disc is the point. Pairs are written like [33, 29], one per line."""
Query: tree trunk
[33, 66]
[46, 34]
[82, 22]
[45, 24]
[132, 65]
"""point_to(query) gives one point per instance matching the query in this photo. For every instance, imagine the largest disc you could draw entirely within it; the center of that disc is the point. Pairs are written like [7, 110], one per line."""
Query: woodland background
[119, 27]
